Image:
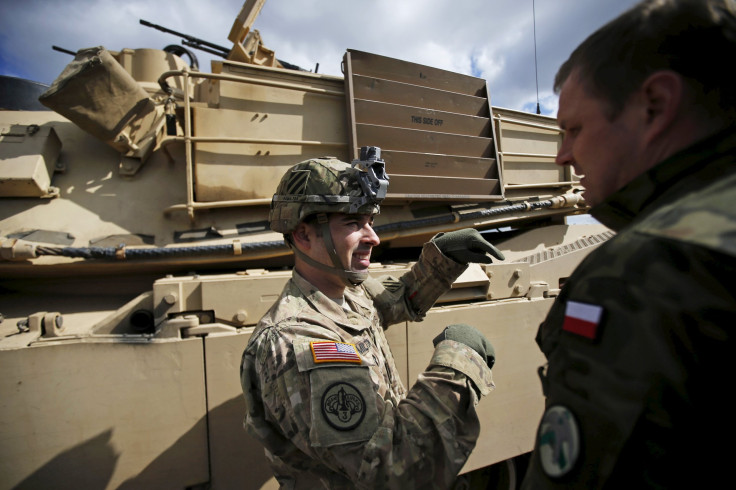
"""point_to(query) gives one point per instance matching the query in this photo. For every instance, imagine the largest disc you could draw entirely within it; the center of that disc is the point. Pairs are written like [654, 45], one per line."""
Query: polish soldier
[321, 387]
[640, 342]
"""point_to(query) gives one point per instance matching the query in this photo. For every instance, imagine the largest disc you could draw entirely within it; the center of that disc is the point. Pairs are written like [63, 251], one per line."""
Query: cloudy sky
[490, 39]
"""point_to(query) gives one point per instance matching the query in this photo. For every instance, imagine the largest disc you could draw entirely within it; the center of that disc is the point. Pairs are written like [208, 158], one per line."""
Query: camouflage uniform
[642, 333]
[391, 437]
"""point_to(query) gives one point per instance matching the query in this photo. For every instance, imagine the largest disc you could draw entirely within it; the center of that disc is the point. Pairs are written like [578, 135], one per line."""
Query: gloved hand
[470, 336]
[465, 246]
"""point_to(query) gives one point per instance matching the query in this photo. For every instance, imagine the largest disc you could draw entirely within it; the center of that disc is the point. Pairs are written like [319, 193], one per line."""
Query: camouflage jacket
[324, 396]
[641, 337]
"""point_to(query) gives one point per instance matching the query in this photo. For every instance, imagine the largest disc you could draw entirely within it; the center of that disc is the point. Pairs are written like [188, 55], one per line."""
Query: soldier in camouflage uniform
[321, 388]
[640, 342]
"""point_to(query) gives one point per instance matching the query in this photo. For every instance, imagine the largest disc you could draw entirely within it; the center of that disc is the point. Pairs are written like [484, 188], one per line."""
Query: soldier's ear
[301, 236]
[663, 92]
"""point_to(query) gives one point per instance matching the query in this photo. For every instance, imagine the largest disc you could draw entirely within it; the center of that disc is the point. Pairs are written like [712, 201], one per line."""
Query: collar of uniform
[329, 308]
[357, 297]
[683, 171]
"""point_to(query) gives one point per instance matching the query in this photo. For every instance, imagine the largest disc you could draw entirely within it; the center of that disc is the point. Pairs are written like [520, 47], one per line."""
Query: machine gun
[247, 44]
[191, 41]
[216, 49]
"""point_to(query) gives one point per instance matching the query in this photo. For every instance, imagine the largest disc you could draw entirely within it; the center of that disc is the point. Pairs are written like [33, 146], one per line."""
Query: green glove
[470, 336]
[465, 246]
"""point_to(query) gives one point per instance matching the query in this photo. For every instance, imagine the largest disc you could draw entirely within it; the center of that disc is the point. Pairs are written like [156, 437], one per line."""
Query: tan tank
[135, 256]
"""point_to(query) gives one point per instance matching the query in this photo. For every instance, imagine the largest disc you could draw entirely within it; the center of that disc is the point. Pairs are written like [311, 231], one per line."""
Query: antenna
[536, 72]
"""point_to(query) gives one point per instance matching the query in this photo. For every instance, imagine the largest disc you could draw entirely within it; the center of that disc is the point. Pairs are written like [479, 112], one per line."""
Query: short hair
[310, 220]
[684, 36]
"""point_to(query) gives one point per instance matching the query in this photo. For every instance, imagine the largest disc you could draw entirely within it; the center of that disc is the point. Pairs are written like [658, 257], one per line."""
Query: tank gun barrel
[17, 249]
[191, 41]
[63, 50]
[203, 48]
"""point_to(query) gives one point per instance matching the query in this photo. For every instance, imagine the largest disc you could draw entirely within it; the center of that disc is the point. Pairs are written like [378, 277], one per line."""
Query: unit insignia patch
[558, 441]
[343, 406]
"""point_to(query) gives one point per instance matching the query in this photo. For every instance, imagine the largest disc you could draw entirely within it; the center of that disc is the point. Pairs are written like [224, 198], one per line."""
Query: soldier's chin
[593, 199]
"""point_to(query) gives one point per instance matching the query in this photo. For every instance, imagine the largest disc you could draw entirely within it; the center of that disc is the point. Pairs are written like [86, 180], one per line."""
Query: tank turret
[136, 256]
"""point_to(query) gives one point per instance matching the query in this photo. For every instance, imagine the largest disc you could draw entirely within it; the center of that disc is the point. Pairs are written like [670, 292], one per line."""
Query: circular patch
[343, 406]
[559, 441]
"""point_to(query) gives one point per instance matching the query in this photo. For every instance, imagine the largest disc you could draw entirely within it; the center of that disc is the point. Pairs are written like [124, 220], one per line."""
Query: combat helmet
[327, 185]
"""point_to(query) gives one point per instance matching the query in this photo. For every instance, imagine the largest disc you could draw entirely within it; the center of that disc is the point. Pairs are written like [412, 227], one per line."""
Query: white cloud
[491, 39]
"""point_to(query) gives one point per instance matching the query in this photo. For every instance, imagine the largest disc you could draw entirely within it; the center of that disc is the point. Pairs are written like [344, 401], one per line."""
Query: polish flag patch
[582, 319]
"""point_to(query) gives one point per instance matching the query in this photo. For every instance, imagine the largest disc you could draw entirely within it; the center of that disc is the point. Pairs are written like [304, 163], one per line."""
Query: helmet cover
[323, 185]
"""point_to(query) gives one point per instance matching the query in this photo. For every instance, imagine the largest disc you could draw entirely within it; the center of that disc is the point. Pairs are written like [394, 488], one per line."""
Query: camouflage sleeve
[465, 360]
[635, 344]
[425, 440]
[334, 422]
[411, 296]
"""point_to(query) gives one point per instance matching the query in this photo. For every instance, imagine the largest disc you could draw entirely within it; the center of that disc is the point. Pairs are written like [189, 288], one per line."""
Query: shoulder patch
[343, 407]
[582, 319]
[558, 440]
[330, 351]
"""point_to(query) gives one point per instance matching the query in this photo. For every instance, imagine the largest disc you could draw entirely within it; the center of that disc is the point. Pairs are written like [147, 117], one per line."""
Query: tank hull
[133, 268]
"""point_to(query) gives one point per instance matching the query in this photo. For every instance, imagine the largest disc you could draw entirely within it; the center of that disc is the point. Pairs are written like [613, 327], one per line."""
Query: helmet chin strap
[349, 278]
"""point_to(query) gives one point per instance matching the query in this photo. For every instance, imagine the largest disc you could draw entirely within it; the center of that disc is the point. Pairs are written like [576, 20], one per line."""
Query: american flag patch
[582, 319]
[327, 351]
